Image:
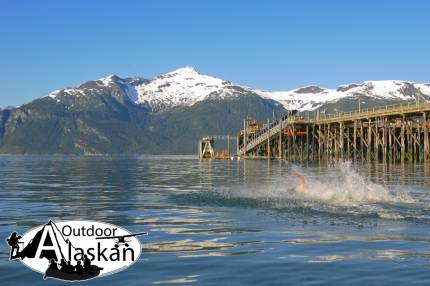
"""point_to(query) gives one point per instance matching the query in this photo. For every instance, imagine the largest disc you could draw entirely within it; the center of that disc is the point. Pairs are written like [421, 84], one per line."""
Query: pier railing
[387, 110]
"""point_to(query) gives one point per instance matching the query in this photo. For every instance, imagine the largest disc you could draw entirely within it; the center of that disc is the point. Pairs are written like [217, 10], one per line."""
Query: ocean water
[231, 222]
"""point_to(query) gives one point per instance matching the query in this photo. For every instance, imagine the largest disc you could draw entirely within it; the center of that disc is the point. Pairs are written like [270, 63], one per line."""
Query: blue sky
[275, 45]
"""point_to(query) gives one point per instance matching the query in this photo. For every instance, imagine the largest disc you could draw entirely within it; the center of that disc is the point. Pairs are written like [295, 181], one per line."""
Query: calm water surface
[229, 222]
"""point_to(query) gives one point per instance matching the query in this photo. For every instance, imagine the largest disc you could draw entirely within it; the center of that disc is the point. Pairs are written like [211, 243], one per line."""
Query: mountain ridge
[186, 86]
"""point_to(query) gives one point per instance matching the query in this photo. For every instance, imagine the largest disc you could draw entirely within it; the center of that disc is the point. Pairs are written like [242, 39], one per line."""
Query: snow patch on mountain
[184, 86]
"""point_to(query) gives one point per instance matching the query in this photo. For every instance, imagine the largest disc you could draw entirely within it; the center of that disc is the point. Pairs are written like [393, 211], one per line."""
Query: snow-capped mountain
[185, 87]
[312, 97]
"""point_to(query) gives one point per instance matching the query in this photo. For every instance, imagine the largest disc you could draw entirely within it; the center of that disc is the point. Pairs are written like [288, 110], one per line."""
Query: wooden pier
[396, 133]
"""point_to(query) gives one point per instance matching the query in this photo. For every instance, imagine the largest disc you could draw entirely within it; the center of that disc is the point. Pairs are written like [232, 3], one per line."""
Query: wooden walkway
[389, 133]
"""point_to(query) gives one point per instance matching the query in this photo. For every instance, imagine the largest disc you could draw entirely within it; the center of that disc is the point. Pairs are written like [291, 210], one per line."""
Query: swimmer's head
[301, 187]
[296, 175]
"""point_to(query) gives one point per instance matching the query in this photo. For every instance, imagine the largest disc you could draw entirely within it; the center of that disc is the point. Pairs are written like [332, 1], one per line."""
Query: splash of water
[340, 191]
[342, 186]
[348, 187]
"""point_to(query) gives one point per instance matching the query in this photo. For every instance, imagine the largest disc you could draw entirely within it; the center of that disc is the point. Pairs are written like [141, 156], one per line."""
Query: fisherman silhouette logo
[75, 250]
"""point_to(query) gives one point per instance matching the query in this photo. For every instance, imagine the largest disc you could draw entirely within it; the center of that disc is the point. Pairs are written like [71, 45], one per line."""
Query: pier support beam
[280, 141]
[426, 138]
[268, 139]
[369, 140]
[402, 141]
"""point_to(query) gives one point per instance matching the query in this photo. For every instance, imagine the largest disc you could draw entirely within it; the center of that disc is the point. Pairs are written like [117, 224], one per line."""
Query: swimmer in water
[301, 187]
